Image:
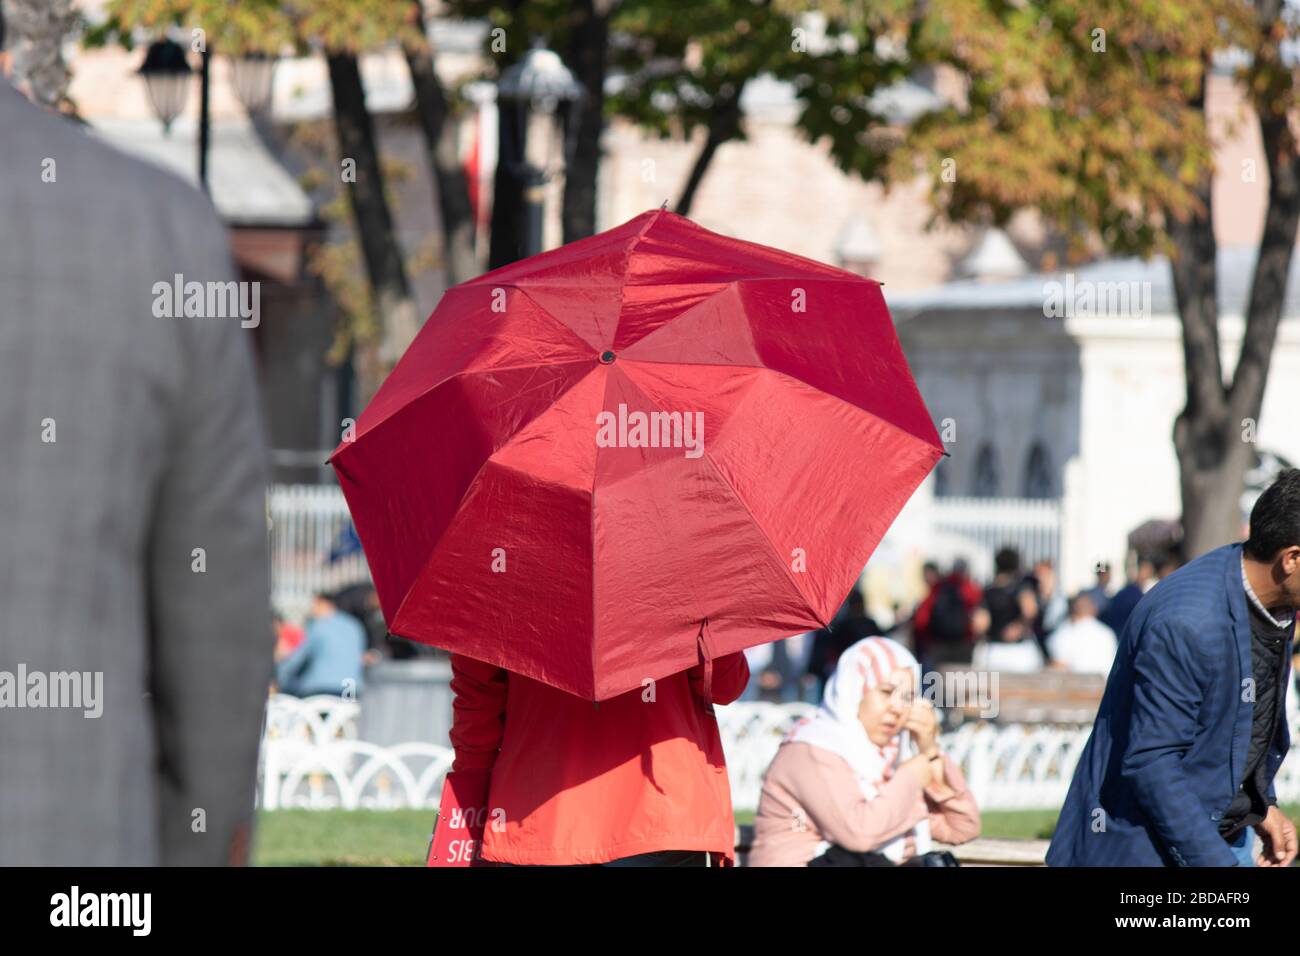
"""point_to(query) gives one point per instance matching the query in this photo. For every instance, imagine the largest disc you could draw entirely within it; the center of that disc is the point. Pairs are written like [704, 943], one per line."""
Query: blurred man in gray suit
[135, 634]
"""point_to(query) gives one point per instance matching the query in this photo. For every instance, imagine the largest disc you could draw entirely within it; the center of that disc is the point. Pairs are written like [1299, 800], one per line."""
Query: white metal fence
[1032, 526]
[308, 523]
[311, 758]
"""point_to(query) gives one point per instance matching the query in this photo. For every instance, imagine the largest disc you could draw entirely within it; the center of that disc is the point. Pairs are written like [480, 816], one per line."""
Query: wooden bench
[1047, 697]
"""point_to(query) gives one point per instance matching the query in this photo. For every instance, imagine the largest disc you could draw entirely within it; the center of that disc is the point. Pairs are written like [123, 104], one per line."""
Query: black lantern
[253, 77]
[536, 97]
[166, 72]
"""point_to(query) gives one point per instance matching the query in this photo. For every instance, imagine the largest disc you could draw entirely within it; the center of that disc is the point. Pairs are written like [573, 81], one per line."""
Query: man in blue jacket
[329, 660]
[1179, 768]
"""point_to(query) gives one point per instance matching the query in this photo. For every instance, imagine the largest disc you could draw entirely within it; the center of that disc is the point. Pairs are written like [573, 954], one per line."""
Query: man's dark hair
[1275, 519]
[1170, 561]
[2, 26]
[1006, 561]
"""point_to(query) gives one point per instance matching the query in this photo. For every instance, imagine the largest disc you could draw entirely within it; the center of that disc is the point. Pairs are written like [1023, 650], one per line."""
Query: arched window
[984, 481]
[1039, 480]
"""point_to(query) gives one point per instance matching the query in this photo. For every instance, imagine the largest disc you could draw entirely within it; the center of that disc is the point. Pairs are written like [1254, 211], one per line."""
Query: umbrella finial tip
[663, 205]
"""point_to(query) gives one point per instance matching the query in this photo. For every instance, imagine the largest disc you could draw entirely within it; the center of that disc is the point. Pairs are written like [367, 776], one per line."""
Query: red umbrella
[586, 455]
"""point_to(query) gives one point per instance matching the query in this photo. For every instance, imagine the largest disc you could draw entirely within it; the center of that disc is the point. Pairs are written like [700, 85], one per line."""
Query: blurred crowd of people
[1020, 621]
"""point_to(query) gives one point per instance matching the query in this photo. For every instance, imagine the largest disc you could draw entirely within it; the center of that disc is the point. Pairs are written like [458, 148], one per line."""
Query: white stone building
[1063, 387]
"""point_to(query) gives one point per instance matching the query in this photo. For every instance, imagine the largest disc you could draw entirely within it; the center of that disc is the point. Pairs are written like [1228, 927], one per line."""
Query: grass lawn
[1002, 824]
[1039, 824]
[342, 837]
[401, 837]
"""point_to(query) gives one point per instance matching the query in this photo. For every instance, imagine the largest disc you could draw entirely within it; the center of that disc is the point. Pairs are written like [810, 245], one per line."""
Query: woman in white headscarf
[863, 781]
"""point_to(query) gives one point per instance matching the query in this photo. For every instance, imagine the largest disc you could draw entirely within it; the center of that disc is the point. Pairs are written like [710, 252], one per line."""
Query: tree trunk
[1215, 432]
[588, 55]
[1201, 438]
[507, 240]
[508, 230]
[37, 30]
[389, 286]
[454, 210]
[724, 125]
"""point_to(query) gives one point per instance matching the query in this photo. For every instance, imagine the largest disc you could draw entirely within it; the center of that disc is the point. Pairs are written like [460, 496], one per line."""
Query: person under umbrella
[636, 780]
[589, 480]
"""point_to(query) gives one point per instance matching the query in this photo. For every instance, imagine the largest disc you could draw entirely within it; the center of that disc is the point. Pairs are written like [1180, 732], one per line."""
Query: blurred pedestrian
[133, 548]
[779, 670]
[941, 624]
[329, 661]
[1126, 598]
[1082, 645]
[1006, 620]
[850, 625]
[1053, 605]
[1008, 602]
[1100, 592]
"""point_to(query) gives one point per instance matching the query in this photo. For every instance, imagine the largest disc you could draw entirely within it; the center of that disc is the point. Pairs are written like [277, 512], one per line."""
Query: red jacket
[587, 783]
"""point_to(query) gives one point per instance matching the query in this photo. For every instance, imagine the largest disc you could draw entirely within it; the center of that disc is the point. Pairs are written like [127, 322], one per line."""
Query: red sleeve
[730, 676]
[478, 712]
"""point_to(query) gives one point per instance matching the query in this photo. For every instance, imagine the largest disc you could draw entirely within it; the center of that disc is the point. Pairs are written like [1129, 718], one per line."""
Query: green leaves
[270, 26]
[1087, 112]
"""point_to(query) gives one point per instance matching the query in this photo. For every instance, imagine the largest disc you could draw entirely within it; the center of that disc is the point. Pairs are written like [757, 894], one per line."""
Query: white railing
[1032, 526]
[307, 521]
[312, 759]
[751, 733]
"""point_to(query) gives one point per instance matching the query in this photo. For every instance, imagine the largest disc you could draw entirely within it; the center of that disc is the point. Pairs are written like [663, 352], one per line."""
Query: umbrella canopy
[585, 455]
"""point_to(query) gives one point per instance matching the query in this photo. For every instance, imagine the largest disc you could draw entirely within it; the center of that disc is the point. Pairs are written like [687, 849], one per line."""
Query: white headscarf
[836, 727]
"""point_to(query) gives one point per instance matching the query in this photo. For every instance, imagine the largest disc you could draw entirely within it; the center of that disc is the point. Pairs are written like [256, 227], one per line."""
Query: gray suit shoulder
[90, 173]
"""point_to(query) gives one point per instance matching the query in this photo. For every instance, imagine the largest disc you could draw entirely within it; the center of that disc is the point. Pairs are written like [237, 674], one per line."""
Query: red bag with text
[462, 818]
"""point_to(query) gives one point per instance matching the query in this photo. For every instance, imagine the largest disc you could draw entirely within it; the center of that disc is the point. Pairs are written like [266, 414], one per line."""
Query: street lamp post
[166, 73]
[536, 97]
[205, 119]
[253, 77]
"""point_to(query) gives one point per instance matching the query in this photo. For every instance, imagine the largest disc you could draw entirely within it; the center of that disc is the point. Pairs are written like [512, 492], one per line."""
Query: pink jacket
[810, 794]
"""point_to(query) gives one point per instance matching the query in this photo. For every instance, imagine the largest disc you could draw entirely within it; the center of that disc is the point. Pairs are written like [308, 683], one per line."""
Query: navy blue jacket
[1168, 750]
